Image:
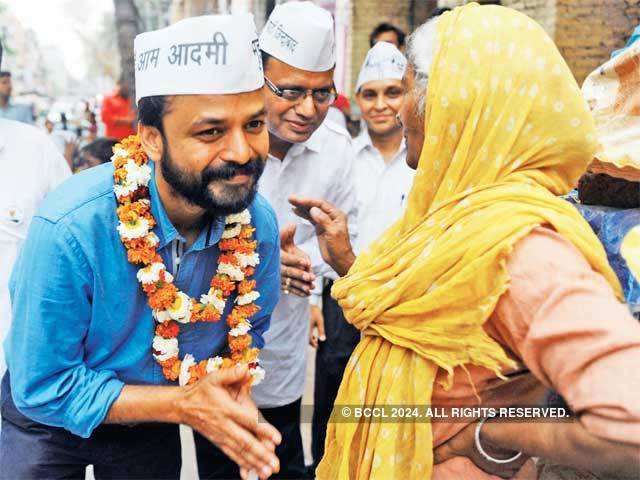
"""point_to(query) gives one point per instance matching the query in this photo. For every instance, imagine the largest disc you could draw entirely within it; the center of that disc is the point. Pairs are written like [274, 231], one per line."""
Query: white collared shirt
[382, 188]
[31, 167]
[321, 168]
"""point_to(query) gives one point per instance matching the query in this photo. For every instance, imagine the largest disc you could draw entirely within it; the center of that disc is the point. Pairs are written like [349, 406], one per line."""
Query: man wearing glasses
[306, 158]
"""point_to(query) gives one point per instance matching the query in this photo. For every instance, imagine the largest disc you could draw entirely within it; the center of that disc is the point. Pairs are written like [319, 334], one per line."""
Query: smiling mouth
[299, 126]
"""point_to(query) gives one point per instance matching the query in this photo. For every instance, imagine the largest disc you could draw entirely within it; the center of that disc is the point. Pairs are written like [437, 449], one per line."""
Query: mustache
[252, 168]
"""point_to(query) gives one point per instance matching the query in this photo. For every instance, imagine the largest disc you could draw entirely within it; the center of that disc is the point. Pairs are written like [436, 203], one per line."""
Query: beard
[196, 188]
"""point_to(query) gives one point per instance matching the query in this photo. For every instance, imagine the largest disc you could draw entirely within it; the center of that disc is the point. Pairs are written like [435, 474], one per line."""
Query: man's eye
[292, 94]
[255, 125]
[210, 132]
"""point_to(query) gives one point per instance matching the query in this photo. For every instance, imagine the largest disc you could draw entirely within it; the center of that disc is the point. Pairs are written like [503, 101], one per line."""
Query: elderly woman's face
[412, 123]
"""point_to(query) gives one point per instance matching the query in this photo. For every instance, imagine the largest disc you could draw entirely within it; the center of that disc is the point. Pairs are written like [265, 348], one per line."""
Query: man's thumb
[286, 235]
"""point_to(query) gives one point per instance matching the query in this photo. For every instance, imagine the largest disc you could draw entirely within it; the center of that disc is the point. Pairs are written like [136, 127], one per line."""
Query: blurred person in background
[32, 167]
[65, 140]
[96, 153]
[118, 114]
[385, 32]
[383, 181]
[8, 109]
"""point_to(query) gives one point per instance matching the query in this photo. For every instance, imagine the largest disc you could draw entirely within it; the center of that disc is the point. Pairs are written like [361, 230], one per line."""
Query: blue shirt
[18, 112]
[81, 325]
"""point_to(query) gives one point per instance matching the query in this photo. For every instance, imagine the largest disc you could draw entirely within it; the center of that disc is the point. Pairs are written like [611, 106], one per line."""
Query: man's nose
[306, 108]
[237, 149]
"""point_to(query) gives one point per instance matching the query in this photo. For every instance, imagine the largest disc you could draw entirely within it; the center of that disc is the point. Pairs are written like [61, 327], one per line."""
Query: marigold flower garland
[171, 307]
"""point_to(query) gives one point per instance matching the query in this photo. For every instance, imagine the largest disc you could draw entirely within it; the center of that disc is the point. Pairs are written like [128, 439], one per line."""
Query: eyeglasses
[321, 96]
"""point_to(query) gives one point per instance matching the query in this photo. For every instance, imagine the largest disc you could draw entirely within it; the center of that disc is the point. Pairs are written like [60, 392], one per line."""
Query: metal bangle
[484, 454]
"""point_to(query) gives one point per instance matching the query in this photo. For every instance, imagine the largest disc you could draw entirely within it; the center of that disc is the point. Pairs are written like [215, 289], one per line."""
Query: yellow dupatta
[506, 131]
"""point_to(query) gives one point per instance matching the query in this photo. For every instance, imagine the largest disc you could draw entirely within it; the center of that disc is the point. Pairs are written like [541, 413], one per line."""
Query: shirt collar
[166, 232]
[363, 140]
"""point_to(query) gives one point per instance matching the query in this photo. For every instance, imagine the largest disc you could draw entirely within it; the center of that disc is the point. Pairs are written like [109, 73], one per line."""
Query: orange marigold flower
[246, 286]
[168, 329]
[143, 256]
[227, 244]
[249, 271]
[164, 297]
[246, 231]
[226, 258]
[205, 314]
[171, 369]
[224, 284]
[248, 310]
[238, 344]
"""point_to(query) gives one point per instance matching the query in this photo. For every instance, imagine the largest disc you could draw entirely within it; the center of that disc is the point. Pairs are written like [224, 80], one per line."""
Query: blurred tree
[127, 27]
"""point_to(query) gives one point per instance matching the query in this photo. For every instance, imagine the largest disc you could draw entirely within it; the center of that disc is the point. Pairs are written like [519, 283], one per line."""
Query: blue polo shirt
[81, 326]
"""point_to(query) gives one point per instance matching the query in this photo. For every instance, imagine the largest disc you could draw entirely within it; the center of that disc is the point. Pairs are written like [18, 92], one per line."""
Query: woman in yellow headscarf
[490, 283]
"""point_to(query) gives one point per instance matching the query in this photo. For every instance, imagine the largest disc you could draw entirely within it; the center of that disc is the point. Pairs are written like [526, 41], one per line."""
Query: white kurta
[322, 168]
[382, 188]
[31, 168]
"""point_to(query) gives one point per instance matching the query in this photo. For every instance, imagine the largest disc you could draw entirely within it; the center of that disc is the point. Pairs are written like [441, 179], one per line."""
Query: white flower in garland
[214, 364]
[131, 230]
[161, 316]
[247, 298]
[232, 231]
[167, 348]
[214, 298]
[152, 239]
[243, 218]
[257, 375]
[240, 329]
[187, 362]
[180, 310]
[119, 153]
[250, 260]
[234, 272]
[150, 273]
[137, 174]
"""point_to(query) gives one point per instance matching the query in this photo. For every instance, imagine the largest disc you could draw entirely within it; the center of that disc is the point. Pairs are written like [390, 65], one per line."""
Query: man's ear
[151, 140]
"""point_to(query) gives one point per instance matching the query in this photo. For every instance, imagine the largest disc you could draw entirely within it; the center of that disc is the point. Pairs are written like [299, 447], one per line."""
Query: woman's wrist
[489, 446]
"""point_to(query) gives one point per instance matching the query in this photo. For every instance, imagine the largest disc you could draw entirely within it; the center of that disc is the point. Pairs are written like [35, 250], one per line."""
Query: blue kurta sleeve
[51, 290]
[267, 275]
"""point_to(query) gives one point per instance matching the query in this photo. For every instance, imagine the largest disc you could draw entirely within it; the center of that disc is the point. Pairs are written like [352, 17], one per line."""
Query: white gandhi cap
[300, 34]
[383, 62]
[208, 55]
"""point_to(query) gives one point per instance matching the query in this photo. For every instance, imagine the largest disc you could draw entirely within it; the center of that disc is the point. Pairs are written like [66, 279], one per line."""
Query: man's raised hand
[295, 265]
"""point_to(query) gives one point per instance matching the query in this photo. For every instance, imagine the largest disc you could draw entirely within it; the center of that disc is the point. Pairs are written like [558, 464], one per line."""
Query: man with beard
[307, 156]
[84, 384]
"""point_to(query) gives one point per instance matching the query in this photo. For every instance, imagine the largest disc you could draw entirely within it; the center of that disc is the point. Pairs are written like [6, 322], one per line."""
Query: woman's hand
[463, 445]
[331, 229]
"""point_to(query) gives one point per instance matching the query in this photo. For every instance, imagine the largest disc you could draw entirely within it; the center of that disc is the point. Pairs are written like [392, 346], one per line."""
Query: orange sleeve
[566, 324]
